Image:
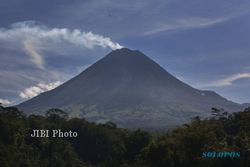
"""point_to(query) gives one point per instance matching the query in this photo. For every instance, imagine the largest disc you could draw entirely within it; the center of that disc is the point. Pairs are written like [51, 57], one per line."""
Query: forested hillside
[105, 145]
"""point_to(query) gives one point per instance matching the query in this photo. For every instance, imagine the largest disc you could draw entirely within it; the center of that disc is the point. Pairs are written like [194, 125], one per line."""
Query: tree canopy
[106, 145]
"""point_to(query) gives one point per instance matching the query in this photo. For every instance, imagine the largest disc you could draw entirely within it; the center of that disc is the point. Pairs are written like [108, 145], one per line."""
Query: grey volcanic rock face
[130, 89]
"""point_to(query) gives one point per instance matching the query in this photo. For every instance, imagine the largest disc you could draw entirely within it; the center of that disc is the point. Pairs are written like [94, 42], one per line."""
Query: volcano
[131, 90]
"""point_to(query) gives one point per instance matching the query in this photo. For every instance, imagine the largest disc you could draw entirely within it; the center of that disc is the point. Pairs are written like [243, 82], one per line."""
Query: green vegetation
[105, 145]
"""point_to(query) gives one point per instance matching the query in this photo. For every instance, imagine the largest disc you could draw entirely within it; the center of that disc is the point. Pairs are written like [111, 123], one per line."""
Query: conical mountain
[130, 89]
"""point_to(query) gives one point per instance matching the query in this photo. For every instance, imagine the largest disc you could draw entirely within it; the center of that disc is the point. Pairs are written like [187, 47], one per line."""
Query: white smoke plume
[29, 29]
[34, 38]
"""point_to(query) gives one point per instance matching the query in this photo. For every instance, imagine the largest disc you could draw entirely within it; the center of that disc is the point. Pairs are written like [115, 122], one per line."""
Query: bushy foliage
[184, 146]
[105, 145]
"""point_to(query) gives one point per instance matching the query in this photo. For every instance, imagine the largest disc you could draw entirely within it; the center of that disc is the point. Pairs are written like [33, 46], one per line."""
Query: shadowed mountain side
[130, 89]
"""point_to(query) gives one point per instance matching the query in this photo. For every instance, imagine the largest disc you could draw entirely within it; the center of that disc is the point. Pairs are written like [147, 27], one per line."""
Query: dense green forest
[105, 145]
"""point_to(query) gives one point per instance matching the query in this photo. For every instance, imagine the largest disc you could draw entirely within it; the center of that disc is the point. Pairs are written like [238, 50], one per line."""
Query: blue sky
[203, 43]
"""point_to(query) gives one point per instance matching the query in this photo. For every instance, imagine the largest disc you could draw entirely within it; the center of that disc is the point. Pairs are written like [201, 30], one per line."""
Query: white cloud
[36, 58]
[37, 89]
[228, 80]
[187, 23]
[34, 39]
[5, 102]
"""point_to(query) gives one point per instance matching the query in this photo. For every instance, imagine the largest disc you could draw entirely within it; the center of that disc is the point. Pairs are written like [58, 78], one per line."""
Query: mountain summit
[130, 89]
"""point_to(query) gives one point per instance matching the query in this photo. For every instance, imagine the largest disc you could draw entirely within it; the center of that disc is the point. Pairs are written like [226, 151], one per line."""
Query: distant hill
[246, 105]
[133, 91]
